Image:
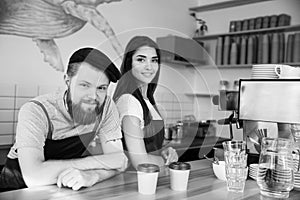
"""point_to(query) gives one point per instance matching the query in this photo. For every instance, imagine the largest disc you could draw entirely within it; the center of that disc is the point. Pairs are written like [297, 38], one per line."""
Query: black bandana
[98, 60]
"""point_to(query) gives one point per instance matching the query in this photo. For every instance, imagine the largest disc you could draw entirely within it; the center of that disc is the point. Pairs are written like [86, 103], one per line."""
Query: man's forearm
[46, 172]
[103, 174]
[117, 161]
[76, 179]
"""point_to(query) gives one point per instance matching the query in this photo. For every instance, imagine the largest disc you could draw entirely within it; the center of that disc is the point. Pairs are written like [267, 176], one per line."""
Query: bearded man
[56, 132]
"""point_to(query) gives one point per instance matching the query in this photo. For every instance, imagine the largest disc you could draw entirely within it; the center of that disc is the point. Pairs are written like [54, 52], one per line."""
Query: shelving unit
[210, 39]
[200, 94]
[181, 63]
[186, 64]
[250, 65]
[256, 31]
[293, 28]
[225, 4]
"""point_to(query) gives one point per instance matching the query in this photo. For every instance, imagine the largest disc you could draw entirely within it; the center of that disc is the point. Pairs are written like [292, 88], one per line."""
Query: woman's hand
[12, 154]
[170, 155]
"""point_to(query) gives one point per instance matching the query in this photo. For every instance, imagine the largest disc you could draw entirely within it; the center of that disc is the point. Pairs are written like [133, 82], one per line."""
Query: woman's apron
[153, 138]
[68, 148]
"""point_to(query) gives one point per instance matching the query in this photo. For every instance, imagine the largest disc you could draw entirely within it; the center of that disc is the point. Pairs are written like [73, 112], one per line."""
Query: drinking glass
[235, 165]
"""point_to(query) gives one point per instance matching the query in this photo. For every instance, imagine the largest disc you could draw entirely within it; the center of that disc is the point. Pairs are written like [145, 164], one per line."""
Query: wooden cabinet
[179, 50]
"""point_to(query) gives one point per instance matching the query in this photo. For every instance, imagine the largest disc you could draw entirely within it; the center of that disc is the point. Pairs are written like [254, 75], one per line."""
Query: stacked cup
[235, 165]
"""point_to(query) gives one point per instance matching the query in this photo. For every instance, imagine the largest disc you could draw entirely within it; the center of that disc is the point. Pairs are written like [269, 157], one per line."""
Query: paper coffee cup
[179, 175]
[147, 175]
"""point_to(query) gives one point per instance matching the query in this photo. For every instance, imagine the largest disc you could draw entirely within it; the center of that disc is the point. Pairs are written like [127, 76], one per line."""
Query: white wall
[22, 63]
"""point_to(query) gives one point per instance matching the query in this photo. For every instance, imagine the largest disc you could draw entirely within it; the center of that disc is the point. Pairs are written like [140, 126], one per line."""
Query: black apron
[153, 138]
[68, 148]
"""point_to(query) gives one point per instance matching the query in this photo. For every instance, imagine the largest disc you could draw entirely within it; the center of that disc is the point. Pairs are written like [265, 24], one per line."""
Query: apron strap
[50, 125]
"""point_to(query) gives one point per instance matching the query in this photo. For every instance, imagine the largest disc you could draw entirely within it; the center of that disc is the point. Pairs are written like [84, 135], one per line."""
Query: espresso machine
[268, 108]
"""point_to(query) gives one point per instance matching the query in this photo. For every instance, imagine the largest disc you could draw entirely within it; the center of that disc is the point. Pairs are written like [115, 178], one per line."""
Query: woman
[142, 124]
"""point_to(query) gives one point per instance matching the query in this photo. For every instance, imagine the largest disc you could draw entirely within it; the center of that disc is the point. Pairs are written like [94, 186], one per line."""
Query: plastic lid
[148, 168]
[180, 166]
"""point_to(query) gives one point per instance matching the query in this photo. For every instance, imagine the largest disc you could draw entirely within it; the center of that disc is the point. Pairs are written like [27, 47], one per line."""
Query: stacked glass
[235, 165]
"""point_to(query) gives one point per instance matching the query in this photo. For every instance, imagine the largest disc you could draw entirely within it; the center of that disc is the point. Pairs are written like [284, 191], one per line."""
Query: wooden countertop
[202, 185]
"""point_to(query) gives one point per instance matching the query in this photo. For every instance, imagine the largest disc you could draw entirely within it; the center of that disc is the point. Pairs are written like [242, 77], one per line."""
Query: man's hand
[170, 155]
[76, 179]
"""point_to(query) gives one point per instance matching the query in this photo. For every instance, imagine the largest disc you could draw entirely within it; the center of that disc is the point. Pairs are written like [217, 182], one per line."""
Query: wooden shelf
[297, 64]
[226, 4]
[5, 146]
[187, 64]
[236, 66]
[256, 31]
[199, 94]
[243, 66]
[226, 66]
[250, 65]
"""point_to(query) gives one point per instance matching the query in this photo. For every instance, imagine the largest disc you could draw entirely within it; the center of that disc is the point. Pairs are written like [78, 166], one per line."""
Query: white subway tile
[6, 128]
[6, 115]
[21, 101]
[7, 89]
[6, 102]
[26, 90]
[6, 139]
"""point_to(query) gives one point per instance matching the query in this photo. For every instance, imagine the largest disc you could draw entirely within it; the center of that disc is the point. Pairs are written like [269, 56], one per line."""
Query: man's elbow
[125, 162]
[32, 180]
[36, 177]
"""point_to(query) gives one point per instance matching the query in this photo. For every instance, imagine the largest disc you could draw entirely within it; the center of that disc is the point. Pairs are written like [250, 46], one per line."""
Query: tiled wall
[173, 106]
[12, 97]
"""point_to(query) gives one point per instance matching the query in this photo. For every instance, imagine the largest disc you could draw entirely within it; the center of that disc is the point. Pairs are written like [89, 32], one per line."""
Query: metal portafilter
[227, 101]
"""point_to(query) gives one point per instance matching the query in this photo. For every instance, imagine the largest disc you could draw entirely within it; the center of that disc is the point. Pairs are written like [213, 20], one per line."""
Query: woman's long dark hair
[128, 83]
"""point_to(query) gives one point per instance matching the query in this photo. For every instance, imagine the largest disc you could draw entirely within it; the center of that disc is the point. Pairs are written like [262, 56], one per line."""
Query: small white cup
[147, 175]
[179, 175]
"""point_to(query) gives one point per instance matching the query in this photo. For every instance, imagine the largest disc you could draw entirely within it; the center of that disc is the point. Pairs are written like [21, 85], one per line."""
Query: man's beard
[84, 116]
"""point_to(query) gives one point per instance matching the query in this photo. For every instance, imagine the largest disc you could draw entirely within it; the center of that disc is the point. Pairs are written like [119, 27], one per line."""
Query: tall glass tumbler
[235, 165]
